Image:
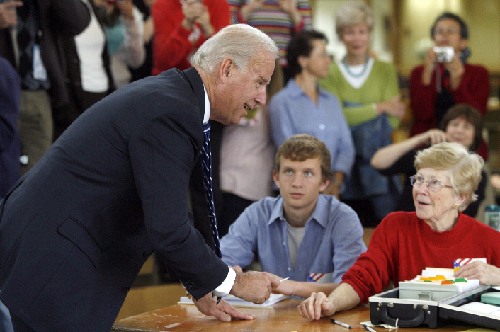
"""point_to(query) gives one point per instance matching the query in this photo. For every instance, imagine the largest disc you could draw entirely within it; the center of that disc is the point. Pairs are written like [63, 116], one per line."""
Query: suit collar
[196, 83]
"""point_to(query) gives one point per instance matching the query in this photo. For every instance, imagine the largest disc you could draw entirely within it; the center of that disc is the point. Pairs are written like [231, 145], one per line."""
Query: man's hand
[8, 15]
[222, 310]
[254, 286]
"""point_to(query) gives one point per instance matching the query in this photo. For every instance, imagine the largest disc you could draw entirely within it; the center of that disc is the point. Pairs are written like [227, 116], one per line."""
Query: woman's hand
[486, 274]
[431, 137]
[456, 69]
[429, 61]
[392, 106]
[316, 306]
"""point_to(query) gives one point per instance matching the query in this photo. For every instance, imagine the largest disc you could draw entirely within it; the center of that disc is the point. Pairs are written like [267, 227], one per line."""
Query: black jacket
[112, 189]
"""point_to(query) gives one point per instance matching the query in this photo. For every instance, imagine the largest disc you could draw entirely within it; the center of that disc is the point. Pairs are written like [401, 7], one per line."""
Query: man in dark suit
[76, 229]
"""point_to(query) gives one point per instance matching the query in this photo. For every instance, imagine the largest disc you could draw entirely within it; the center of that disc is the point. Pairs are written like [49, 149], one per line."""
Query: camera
[444, 53]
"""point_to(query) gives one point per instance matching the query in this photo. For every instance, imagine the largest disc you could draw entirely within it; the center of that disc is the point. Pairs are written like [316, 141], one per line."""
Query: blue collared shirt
[292, 112]
[333, 239]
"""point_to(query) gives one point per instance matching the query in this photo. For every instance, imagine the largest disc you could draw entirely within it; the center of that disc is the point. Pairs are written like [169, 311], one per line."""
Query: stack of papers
[237, 302]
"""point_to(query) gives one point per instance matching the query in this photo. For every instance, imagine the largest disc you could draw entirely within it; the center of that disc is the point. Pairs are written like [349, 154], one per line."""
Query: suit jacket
[10, 144]
[76, 229]
[56, 19]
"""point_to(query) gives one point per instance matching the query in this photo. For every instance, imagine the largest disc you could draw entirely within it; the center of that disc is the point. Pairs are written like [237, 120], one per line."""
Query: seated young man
[302, 234]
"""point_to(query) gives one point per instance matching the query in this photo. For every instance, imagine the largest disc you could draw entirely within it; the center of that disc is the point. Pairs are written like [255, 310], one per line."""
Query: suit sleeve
[162, 157]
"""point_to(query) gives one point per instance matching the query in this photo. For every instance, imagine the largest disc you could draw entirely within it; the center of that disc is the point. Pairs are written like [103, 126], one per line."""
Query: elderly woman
[369, 93]
[434, 235]
[462, 124]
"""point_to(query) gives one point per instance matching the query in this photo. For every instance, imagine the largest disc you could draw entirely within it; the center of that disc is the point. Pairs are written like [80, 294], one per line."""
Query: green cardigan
[381, 84]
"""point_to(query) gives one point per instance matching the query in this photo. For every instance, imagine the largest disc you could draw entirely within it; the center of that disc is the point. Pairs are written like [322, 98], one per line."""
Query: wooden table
[281, 317]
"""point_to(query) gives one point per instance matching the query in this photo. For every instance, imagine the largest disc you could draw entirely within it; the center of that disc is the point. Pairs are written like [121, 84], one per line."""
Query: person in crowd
[435, 235]
[302, 234]
[114, 188]
[303, 107]
[124, 28]
[38, 63]
[113, 35]
[279, 19]
[246, 159]
[144, 70]
[246, 164]
[462, 124]
[8, 15]
[369, 94]
[10, 144]
[443, 81]
[181, 26]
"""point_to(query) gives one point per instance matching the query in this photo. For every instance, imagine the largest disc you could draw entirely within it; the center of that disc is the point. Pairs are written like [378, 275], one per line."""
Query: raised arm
[388, 155]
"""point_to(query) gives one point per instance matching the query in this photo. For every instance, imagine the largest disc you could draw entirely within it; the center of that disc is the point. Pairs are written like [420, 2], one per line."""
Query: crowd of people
[115, 165]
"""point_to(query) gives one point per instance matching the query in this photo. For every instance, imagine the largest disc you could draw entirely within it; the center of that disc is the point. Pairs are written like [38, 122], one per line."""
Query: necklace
[348, 69]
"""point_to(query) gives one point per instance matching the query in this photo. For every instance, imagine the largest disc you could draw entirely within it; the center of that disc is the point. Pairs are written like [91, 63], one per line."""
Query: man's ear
[225, 70]
[276, 178]
[324, 185]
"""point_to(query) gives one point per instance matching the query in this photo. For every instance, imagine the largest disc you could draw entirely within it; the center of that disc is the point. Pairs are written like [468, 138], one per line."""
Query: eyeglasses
[434, 185]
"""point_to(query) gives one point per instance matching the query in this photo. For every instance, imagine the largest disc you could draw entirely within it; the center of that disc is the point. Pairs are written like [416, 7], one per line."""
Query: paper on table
[237, 302]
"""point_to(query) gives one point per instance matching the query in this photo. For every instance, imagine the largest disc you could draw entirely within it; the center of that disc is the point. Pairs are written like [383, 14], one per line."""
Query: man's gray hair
[239, 42]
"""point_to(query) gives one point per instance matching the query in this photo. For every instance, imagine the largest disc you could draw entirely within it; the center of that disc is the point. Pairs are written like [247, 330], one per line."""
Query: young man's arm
[304, 288]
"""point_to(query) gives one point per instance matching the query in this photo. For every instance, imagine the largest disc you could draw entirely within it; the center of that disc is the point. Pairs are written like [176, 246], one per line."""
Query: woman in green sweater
[369, 93]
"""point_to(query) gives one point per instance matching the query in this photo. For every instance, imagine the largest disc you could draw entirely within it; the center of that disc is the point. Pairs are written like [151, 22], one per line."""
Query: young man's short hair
[302, 147]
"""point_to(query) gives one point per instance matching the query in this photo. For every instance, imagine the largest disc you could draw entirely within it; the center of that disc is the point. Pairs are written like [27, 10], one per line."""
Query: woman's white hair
[239, 42]
[464, 167]
[351, 13]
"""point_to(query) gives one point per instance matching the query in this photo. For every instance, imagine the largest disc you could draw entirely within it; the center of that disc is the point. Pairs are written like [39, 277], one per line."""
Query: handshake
[254, 286]
[250, 286]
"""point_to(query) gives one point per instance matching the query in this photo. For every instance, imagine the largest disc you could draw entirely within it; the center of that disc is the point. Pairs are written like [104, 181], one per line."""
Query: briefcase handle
[415, 321]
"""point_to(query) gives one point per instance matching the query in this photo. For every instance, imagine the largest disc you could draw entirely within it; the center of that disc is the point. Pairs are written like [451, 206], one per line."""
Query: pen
[334, 321]
[369, 329]
[284, 279]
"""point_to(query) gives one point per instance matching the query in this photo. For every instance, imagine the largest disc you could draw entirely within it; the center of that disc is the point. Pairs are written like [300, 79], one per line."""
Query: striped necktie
[206, 163]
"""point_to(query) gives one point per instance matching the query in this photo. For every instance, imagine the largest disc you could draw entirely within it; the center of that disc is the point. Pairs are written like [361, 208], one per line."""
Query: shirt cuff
[227, 285]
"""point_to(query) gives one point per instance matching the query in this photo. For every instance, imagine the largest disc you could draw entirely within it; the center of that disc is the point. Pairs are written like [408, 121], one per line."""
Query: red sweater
[171, 46]
[403, 245]
[474, 89]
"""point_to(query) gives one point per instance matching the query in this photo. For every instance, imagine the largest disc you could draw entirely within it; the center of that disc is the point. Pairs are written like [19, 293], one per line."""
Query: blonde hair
[239, 42]
[351, 13]
[464, 167]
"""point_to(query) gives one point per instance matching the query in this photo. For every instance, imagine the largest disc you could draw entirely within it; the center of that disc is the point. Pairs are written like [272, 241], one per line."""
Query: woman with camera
[446, 79]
